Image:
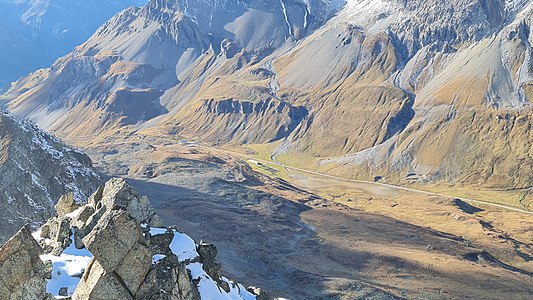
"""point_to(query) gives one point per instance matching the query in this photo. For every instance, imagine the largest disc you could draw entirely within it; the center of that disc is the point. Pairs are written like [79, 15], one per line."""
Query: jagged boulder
[112, 239]
[60, 234]
[66, 204]
[99, 284]
[168, 280]
[208, 253]
[134, 267]
[117, 193]
[22, 273]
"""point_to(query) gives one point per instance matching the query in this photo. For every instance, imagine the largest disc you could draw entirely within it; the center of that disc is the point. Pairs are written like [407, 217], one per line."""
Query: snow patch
[67, 268]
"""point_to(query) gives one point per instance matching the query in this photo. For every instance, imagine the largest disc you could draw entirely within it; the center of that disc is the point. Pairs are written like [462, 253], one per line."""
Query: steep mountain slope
[366, 87]
[124, 70]
[472, 121]
[37, 32]
[35, 170]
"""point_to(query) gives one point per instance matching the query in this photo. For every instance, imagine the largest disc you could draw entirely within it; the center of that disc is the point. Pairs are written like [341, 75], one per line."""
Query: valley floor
[312, 237]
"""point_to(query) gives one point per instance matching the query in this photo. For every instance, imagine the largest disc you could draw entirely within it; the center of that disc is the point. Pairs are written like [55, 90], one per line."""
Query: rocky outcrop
[113, 247]
[66, 204]
[262, 121]
[22, 273]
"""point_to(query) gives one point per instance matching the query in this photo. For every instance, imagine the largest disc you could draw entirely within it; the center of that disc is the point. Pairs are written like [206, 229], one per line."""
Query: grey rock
[22, 273]
[208, 253]
[93, 220]
[113, 237]
[60, 234]
[96, 197]
[118, 193]
[63, 291]
[83, 216]
[135, 266]
[66, 204]
[78, 237]
[160, 243]
[168, 280]
[99, 284]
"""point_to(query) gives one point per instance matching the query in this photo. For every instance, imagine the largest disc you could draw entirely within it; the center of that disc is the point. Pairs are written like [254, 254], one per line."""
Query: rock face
[106, 249]
[66, 204]
[35, 170]
[22, 273]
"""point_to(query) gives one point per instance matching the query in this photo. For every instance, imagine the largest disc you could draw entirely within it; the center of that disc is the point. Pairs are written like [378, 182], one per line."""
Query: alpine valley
[331, 149]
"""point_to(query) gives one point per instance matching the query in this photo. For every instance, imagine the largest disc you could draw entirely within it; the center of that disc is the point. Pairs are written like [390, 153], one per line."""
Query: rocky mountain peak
[113, 247]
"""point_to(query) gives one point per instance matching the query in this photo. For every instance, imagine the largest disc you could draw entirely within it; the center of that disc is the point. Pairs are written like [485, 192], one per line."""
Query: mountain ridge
[37, 169]
[379, 92]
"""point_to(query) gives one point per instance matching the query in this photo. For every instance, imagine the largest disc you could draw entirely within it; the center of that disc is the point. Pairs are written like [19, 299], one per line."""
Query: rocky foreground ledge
[113, 247]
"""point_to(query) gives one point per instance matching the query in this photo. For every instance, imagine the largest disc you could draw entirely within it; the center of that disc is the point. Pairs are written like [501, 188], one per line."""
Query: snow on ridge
[184, 248]
[56, 149]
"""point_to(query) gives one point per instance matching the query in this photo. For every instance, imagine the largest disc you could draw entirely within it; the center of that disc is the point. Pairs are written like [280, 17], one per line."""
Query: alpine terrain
[111, 248]
[331, 149]
[362, 88]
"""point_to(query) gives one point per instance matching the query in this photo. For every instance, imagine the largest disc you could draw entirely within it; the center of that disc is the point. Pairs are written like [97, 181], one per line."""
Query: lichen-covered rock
[66, 204]
[134, 267]
[118, 193]
[93, 220]
[22, 274]
[60, 234]
[96, 197]
[83, 216]
[168, 280]
[99, 284]
[112, 238]
[208, 254]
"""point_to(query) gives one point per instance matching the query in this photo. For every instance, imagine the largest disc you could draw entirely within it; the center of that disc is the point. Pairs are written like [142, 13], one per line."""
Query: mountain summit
[113, 247]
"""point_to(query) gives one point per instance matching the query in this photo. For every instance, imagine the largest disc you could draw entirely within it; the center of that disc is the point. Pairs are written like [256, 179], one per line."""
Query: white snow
[74, 214]
[66, 268]
[37, 236]
[209, 289]
[156, 231]
[284, 9]
[182, 245]
[185, 248]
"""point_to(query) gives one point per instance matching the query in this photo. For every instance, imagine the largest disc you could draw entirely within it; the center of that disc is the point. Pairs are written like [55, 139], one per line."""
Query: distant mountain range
[402, 90]
[34, 33]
